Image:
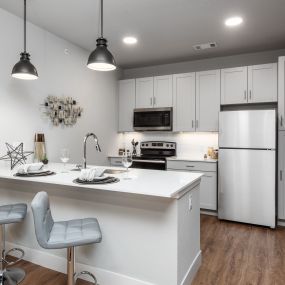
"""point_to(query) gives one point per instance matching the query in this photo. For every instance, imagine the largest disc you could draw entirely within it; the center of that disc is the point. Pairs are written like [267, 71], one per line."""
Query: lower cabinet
[208, 186]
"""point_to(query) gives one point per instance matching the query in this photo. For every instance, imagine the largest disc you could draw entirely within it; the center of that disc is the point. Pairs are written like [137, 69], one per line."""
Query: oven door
[153, 119]
[149, 164]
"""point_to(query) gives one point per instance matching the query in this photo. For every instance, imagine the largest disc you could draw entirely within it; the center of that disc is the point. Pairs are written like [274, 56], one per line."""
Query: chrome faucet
[97, 146]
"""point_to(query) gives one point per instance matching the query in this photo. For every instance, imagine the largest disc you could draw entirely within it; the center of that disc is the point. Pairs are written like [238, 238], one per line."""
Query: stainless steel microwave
[153, 119]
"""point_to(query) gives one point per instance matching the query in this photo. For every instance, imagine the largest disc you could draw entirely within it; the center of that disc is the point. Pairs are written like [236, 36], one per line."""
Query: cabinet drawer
[191, 165]
[116, 161]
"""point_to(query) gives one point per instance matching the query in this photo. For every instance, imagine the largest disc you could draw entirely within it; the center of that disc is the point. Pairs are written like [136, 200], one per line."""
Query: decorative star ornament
[16, 154]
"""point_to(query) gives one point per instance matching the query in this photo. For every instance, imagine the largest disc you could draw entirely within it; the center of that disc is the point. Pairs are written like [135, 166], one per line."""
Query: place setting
[33, 170]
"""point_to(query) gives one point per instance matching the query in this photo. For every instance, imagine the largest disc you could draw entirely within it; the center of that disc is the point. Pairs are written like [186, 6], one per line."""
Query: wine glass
[127, 161]
[64, 157]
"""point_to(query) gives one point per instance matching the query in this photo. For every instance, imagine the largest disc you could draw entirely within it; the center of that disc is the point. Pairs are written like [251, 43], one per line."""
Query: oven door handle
[151, 161]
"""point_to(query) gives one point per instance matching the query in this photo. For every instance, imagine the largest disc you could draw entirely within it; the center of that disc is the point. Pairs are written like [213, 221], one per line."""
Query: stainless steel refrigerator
[247, 167]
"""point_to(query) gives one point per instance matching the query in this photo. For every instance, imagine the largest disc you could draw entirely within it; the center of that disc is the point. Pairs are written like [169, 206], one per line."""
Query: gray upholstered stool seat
[9, 214]
[63, 234]
[74, 233]
[12, 213]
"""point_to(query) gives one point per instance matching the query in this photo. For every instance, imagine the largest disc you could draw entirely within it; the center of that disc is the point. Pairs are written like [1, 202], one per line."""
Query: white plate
[37, 171]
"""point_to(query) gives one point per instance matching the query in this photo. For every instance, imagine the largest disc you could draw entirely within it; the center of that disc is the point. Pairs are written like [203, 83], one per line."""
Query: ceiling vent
[205, 46]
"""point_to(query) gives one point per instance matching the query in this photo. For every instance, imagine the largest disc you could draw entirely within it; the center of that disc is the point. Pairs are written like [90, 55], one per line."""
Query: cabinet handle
[190, 166]
[245, 95]
[250, 95]
[197, 124]
[281, 121]
[150, 101]
[192, 124]
[154, 100]
[281, 175]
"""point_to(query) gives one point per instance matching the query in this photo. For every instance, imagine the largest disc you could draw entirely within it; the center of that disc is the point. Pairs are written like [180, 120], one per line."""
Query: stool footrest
[89, 274]
[18, 259]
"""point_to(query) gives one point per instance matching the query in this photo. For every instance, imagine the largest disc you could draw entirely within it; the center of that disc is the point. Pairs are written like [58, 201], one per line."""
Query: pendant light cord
[25, 23]
[101, 18]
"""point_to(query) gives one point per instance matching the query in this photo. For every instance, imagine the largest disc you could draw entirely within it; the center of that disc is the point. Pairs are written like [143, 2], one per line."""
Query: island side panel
[189, 253]
[139, 245]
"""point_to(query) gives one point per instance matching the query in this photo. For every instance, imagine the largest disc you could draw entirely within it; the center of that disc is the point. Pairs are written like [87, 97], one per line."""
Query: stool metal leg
[8, 276]
[70, 266]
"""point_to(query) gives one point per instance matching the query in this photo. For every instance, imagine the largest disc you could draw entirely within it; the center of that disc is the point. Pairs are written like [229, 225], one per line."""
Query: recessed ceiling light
[130, 40]
[234, 21]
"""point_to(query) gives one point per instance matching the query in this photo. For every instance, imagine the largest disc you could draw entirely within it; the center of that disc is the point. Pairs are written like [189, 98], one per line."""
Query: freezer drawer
[246, 191]
[247, 129]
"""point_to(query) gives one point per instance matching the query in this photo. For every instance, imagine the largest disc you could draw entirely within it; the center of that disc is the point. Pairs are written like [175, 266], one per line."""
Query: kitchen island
[150, 224]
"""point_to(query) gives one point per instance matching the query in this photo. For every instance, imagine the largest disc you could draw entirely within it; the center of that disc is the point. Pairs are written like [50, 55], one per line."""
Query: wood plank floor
[237, 254]
[233, 254]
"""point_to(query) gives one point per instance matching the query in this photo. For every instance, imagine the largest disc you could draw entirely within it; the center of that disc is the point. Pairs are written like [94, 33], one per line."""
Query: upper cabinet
[281, 93]
[246, 85]
[144, 92]
[127, 97]
[154, 92]
[184, 102]
[162, 91]
[234, 85]
[262, 83]
[208, 90]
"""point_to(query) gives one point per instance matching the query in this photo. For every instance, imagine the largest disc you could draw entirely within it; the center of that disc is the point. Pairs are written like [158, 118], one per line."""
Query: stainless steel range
[153, 154]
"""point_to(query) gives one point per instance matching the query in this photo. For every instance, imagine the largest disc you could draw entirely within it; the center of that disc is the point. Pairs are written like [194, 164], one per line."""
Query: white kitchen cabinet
[281, 176]
[162, 91]
[208, 186]
[234, 85]
[144, 92]
[281, 93]
[127, 97]
[184, 102]
[208, 90]
[262, 83]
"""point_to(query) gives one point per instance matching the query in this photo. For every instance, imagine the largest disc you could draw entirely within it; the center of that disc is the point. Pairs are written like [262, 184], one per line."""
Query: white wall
[59, 74]
[192, 145]
[205, 64]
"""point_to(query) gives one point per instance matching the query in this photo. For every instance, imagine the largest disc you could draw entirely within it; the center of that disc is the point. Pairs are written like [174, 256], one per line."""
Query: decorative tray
[107, 180]
[46, 173]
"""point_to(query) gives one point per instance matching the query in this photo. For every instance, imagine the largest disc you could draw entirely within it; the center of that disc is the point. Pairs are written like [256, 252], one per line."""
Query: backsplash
[192, 145]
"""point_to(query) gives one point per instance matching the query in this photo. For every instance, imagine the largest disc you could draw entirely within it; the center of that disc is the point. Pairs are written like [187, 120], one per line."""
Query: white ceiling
[166, 29]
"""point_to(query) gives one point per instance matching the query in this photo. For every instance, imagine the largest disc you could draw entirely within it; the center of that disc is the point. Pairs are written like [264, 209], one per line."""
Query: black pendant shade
[24, 69]
[101, 59]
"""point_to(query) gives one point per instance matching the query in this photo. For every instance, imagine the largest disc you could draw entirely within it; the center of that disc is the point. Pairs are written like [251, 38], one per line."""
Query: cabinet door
[144, 92]
[281, 176]
[184, 102]
[162, 91]
[234, 85]
[262, 83]
[208, 90]
[208, 191]
[281, 93]
[126, 104]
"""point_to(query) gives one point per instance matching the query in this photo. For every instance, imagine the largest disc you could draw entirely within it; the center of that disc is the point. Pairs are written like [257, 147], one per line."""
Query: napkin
[26, 168]
[91, 174]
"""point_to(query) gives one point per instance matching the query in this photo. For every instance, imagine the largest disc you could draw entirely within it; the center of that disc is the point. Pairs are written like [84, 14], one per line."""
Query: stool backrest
[42, 218]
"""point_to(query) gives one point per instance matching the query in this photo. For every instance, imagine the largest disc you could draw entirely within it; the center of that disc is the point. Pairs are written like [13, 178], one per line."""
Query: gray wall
[204, 64]
[21, 113]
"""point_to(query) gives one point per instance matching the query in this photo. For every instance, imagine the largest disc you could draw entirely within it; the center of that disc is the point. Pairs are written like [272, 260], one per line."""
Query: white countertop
[167, 184]
[181, 158]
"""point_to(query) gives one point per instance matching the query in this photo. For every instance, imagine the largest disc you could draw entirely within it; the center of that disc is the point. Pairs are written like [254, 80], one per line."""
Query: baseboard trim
[281, 223]
[58, 263]
[193, 269]
[209, 212]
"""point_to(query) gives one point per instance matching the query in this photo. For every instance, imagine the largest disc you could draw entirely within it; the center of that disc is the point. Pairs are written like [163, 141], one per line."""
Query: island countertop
[166, 184]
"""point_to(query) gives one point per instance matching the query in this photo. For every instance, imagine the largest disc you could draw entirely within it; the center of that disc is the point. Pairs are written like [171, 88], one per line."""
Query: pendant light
[24, 69]
[101, 59]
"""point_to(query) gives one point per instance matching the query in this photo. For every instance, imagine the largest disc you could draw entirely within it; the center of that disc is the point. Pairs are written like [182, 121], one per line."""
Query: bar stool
[64, 234]
[10, 214]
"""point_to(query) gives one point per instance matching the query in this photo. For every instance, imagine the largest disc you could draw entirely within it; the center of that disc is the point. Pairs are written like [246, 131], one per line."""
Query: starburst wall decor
[16, 154]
